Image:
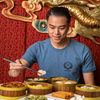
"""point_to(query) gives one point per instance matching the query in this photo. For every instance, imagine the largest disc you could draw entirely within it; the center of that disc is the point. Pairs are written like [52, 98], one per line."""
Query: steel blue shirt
[66, 62]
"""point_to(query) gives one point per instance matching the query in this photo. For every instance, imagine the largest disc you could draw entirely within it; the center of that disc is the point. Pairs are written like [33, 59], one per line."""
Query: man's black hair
[59, 11]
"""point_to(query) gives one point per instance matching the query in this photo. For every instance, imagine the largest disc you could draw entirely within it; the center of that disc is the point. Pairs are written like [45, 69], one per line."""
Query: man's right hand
[16, 68]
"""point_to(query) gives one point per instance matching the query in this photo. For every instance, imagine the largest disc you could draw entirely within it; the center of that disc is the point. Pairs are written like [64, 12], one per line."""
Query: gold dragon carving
[87, 22]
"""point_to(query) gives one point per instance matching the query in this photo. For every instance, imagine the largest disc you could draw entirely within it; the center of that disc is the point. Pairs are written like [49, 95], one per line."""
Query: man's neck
[60, 45]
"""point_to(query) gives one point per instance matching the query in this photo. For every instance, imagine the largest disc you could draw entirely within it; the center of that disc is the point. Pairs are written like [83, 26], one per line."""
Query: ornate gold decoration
[87, 22]
[71, 33]
[77, 11]
[40, 25]
[53, 2]
[25, 4]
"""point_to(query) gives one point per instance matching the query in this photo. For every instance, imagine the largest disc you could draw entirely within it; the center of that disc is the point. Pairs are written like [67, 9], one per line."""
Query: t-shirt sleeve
[88, 64]
[30, 55]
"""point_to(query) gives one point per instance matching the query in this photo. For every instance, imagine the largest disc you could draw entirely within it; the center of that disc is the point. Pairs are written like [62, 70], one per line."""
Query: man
[59, 55]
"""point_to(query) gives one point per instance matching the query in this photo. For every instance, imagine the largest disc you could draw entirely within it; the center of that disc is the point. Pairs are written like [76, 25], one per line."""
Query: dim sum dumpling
[41, 72]
[59, 82]
[39, 85]
[30, 79]
[40, 79]
[35, 79]
[68, 83]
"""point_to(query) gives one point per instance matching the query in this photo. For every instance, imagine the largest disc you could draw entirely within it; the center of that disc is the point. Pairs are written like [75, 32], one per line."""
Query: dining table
[48, 96]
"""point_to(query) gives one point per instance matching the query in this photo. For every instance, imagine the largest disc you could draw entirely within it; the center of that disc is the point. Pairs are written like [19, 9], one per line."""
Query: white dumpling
[39, 85]
[35, 79]
[40, 79]
[68, 83]
[82, 87]
[59, 82]
[41, 72]
[92, 88]
[85, 87]
[30, 79]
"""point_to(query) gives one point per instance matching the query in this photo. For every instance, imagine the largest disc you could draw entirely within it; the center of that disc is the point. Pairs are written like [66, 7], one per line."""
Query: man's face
[57, 28]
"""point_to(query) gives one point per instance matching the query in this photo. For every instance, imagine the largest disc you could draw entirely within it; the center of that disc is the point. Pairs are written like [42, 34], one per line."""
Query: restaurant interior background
[16, 36]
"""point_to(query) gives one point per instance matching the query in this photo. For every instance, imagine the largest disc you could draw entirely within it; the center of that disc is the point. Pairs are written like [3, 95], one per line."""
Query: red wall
[17, 36]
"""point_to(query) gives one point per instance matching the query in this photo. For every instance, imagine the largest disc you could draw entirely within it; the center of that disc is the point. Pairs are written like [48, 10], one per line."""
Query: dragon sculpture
[87, 20]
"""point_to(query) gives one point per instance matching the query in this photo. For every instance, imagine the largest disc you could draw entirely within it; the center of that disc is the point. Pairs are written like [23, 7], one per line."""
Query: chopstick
[22, 65]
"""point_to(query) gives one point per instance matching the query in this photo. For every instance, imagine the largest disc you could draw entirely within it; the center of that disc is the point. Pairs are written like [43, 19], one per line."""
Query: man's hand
[16, 68]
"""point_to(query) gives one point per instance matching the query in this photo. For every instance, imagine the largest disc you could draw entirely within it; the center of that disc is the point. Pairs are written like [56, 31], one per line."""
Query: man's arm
[16, 68]
[89, 78]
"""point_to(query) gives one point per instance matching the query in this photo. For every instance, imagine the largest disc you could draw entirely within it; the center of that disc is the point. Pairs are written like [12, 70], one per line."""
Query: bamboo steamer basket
[64, 87]
[29, 80]
[51, 79]
[90, 94]
[36, 90]
[12, 93]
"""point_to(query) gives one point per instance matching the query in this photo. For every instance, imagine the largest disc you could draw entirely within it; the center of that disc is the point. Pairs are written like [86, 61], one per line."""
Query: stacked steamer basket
[64, 85]
[91, 92]
[12, 90]
[39, 88]
[29, 80]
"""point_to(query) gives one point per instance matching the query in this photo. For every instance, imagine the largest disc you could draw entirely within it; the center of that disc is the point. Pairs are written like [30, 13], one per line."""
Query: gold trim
[98, 98]
[12, 89]
[26, 79]
[59, 79]
[70, 31]
[75, 83]
[11, 98]
[87, 90]
[33, 24]
[35, 87]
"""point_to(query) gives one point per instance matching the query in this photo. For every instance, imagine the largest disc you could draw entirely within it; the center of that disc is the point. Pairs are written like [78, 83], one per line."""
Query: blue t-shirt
[66, 62]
